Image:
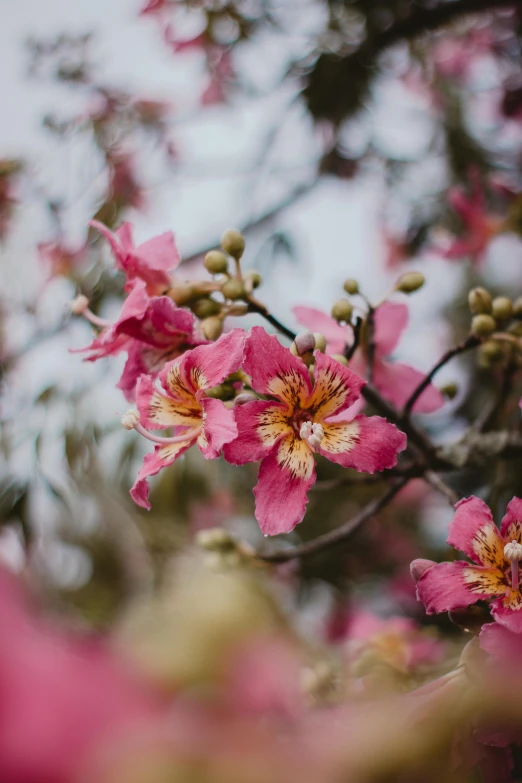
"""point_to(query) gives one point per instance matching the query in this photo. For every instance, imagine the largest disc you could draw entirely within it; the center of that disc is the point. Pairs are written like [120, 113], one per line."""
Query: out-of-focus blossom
[183, 405]
[59, 259]
[9, 169]
[124, 188]
[284, 433]
[63, 697]
[455, 57]
[395, 381]
[151, 261]
[494, 571]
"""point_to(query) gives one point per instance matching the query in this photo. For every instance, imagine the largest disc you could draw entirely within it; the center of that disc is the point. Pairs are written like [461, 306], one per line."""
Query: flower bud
[342, 310]
[79, 305]
[216, 262]
[450, 390]
[479, 301]
[304, 342]
[182, 293]
[253, 279]
[320, 342]
[233, 289]
[419, 567]
[233, 243]
[351, 286]
[205, 307]
[212, 327]
[410, 282]
[492, 350]
[340, 358]
[517, 308]
[223, 391]
[483, 325]
[245, 397]
[502, 308]
[215, 539]
[515, 329]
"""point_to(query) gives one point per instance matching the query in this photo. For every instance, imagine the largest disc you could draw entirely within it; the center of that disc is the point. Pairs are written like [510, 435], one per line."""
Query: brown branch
[438, 484]
[471, 342]
[339, 534]
[254, 306]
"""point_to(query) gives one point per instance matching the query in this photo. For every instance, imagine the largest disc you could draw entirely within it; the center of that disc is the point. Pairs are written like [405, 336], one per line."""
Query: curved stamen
[312, 434]
[80, 306]
[513, 553]
[131, 422]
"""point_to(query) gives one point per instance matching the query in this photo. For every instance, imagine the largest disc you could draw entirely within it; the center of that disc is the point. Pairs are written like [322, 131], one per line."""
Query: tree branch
[339, 534]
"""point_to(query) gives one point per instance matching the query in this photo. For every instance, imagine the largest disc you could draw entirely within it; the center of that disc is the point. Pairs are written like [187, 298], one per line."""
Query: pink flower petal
[391, 319]
[274, 370]
[474, 532]
[366, 443]
[336, 387]
[161, 457]
[285, 477]
[336, 336]
[208, 365]
[219, 427]
[260, 425]
[511, 525]
[159, 410]
[396, 382]
[509, 618]
[501, 643]
[448, 586]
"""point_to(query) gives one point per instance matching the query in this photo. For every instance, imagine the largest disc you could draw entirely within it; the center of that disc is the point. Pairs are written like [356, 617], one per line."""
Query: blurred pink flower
[395, 381]
[495, 571]
[284, 432]
[62, 697]
[479, 227]
[59, 259]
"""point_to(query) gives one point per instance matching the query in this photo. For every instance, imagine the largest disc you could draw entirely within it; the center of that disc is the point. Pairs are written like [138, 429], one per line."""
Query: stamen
[513, 553]
[312, 434]
[80, 306]
[131, 422]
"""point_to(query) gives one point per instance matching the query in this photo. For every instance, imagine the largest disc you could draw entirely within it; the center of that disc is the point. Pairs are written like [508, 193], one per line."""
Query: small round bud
[79, 305]
[513, 551]
[450, 390]
[483, 325]
[304, 342]
[479, 301]
[233, 289]
[130, 419]
[205, 307]
[216, 262]
[410, 282]
[212, 327]
[320, 342]
[351, 286]
[215, 539]
[492, 350]
[233, 243]
[342, 310]
[517, 307]
[502, 308]
[245, 397]
[340, 358]
[182, 293]
[223, 391]
[253, 279]
[515, 329]
[419, 567]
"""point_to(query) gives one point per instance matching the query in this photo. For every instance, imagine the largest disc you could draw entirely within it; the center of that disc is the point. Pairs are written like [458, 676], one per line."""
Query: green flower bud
[351, 286]
[205, 307]
[502, 308]
[215, 539]
[515, 329]
[224, 391]
[342, 310]
[182, 293]
[492, 350]
[479, 301]
[253, 279]
[233, 289]
[320, 342]
[216, 262]
[340, 358]
[517, 308]
[450, 390]
[212, 327]
[233, 243]
[410, 282]
[483, 325]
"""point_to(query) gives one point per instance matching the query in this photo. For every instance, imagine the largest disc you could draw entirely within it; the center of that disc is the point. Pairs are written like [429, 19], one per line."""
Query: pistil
[131, 421]
[513, 553]
[312, 434]
[80, 306]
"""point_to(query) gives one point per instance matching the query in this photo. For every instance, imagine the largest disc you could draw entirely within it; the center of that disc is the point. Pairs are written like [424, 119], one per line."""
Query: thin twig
[254, 306]
[370, 329]
[471, 342]
[437, 483]
[485, 417]
[350, 349]
[339, 534]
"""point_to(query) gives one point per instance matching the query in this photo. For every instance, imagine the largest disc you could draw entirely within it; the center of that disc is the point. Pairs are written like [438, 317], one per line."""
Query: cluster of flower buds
[498, 321]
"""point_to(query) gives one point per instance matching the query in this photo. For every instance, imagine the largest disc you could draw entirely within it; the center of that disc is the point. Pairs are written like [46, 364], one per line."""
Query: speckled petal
[474, 532]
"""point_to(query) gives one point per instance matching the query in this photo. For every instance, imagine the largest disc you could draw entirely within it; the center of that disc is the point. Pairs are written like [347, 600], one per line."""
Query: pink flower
[501, 643]
[63, 697]
[151, 329]
[149, 262]
[59, 259]
[181, 403]
[286, 431]
[394, 380]
[479, 226]
[494, 572]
